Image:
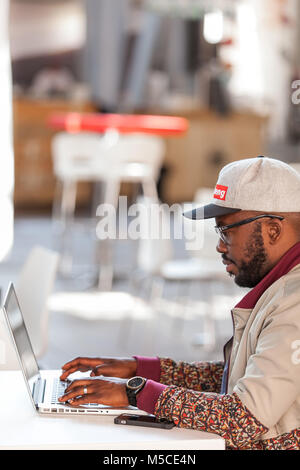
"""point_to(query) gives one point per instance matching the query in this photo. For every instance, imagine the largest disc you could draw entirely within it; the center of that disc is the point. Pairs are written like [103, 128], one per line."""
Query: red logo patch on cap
[220, 192]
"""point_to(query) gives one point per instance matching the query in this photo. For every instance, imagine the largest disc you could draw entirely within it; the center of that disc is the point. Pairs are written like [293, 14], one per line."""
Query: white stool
[134, 158]
[111, 159]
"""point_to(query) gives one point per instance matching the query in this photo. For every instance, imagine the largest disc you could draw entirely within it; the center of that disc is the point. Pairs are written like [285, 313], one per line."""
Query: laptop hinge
[38, 391]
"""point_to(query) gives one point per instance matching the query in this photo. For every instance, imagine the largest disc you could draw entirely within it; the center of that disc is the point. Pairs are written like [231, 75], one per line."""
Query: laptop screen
[20, 335]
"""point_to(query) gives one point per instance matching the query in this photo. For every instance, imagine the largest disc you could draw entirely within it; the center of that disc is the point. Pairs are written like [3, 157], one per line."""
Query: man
[252, 398]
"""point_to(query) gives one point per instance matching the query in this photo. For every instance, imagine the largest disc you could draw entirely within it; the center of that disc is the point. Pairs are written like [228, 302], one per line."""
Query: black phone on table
[148, 421]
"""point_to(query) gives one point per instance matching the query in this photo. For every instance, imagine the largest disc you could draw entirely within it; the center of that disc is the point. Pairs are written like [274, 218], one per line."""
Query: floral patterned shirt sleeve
[224, 415]
[200, 376]
[189, 394]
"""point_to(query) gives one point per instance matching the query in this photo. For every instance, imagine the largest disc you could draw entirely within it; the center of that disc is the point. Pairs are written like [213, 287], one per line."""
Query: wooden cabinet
[194, 160]
[34, 178]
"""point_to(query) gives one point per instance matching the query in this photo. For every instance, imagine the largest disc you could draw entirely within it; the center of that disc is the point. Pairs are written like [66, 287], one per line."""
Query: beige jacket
[264, 356]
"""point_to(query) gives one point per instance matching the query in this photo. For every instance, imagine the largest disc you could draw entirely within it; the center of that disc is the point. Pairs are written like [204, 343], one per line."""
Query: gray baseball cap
[254, 184]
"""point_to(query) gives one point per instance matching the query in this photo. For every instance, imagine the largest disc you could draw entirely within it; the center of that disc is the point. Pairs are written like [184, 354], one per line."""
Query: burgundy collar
[288, 261]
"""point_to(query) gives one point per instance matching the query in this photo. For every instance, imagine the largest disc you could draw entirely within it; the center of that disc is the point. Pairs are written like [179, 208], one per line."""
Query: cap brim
[209, 211]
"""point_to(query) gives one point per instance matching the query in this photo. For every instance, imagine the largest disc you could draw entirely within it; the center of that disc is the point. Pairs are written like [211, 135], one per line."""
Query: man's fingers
[68, 396]
[81, 364]
[68, 372]
[84, 400]
[108, 370]
[72, 363]
[78, 388]
[77, 384]
[67, 365]
[76, 392]
[79, 361]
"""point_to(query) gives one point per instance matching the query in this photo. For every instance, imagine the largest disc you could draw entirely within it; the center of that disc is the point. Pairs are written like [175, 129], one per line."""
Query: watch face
[135, 382]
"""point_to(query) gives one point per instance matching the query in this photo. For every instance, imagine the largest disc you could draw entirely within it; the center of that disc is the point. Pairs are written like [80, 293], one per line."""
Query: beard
[252, 271]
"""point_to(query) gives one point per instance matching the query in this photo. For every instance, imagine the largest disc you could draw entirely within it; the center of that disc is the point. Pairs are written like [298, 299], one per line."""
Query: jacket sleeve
[271, 383]
[224, 415]
[200, 376]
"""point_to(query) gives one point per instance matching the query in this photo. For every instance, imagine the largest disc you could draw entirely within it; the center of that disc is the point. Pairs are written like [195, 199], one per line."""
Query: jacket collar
[288, 261]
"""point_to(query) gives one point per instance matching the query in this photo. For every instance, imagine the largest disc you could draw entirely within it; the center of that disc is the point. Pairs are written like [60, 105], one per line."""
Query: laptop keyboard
[58, 390]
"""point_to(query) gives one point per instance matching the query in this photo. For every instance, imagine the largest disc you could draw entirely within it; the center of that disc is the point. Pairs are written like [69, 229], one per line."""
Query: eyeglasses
[221, 229]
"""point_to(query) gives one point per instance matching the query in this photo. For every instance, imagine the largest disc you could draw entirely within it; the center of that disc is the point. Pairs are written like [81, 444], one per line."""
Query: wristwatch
[133, 387]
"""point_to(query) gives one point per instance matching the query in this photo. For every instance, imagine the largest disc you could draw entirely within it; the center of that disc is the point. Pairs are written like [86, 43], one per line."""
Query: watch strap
[131, 394]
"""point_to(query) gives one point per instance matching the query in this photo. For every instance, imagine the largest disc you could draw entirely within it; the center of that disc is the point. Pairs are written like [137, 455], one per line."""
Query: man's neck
[288, 261]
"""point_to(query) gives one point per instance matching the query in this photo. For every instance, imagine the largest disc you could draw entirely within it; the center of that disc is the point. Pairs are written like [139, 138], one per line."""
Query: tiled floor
[85, 322]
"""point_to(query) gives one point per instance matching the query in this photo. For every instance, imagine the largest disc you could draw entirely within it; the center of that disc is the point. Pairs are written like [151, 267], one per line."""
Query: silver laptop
[44, 386]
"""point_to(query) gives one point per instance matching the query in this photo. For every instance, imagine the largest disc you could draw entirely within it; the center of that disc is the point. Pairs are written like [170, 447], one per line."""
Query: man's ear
[274, 231]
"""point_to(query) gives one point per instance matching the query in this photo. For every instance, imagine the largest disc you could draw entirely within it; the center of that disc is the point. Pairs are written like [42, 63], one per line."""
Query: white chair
[33, 287]
[154, 246]
[134, 158]
[76, 158]
[110, 159]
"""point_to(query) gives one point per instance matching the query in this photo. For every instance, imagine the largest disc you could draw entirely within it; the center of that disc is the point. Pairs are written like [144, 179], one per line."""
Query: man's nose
[221, 246]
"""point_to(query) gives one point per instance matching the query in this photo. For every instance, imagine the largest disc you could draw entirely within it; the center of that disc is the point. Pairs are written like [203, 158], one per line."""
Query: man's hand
[109, 392]
[107, 366]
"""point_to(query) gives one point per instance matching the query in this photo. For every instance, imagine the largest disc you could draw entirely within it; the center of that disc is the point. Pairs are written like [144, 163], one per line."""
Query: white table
[23, 428]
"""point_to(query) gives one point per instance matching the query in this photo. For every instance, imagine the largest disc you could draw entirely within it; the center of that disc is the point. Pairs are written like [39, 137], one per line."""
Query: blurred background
[73, 75]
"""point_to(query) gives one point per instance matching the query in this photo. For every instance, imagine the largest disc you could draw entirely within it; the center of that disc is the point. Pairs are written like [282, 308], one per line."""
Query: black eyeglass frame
[221, 229]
